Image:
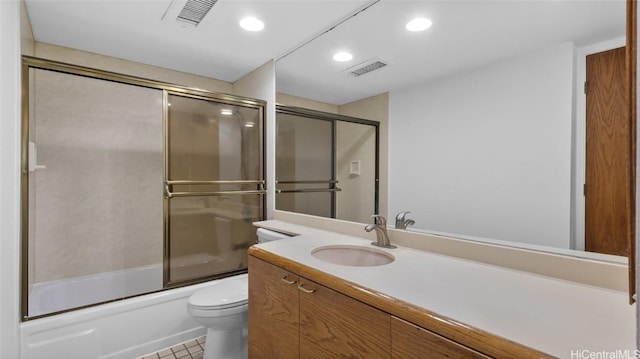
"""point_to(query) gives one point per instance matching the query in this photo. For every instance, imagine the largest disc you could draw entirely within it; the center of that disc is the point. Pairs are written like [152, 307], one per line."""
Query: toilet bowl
[222, 309]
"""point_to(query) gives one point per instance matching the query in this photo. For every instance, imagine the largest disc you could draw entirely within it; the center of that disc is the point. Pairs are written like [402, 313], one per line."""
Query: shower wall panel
[98, 202]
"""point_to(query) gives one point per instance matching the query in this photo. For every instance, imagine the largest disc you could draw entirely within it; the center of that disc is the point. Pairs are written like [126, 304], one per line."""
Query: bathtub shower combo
[132, 186]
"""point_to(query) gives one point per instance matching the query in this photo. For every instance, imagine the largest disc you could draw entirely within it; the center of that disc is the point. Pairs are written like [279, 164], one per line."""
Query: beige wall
[261, 84]
[289, 100]
[107, 63]
[27, 45]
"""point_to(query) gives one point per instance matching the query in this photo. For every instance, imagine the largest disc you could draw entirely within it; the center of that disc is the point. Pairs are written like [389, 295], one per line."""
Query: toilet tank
[265, 235]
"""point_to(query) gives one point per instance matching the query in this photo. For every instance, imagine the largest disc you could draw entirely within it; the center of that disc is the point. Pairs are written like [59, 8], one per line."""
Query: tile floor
[192, 349]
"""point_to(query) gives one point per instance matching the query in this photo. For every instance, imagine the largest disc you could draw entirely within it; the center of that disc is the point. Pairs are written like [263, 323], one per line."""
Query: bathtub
[123, 329]
[58, 295]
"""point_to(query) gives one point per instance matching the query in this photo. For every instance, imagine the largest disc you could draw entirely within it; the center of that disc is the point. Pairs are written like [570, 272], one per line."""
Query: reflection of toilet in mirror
[222, 308]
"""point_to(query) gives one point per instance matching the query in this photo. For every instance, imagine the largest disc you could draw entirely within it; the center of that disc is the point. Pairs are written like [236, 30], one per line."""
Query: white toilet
[222, 309]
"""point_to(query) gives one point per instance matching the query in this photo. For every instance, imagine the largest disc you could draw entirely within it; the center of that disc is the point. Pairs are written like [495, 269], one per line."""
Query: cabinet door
[410, 341]
[273, 311]
[334, 325]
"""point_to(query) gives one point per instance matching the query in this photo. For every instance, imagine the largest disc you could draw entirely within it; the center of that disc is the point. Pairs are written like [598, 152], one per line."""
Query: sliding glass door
[214, 186]
[95, 197]
[131, 186]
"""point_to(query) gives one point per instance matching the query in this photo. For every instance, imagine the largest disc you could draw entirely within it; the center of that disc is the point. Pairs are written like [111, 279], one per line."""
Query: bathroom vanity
[421, 305]
[293, 316]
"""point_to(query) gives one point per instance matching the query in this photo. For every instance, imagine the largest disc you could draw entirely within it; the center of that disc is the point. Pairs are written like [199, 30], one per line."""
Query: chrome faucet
[401, 222]
[380, 226]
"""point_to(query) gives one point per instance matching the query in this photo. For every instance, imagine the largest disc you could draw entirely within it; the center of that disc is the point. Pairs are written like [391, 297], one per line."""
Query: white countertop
[547, 314]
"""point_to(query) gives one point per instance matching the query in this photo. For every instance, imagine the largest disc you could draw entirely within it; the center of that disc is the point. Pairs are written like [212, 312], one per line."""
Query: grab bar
[309, 190]
[169, 194]
[215, 182]
[310, 182]
[332, 184]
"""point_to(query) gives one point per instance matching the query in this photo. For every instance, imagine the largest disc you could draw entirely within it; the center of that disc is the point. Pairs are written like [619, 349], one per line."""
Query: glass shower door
[94, 223]
[214, 186]
[305, 165]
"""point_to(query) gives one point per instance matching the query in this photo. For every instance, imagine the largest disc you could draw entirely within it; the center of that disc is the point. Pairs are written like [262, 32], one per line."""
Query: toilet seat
[226, 296]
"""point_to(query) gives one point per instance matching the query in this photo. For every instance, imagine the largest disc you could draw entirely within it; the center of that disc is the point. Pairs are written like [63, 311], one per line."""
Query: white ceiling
[217, 48]
[464, 35]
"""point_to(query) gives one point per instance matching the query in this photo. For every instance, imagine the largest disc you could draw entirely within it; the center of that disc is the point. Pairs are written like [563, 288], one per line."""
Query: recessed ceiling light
[226, 112]
[249, 124]
[251, 24]
[342, 56]
[418, 24]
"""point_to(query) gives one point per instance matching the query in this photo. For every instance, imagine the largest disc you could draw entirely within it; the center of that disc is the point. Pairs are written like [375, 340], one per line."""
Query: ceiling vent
[194, 11]
[366, 67]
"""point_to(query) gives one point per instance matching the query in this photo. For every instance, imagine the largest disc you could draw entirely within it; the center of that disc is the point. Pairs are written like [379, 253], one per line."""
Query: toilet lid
[221, 295]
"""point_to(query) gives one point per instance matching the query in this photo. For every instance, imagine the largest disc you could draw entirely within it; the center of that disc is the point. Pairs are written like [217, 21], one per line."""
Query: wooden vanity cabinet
[273, 311]
[293, 317]
[410, 341]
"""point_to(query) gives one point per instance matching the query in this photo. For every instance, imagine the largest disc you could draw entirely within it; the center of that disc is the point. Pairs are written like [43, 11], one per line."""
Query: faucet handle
[400, 216]
[379, 220]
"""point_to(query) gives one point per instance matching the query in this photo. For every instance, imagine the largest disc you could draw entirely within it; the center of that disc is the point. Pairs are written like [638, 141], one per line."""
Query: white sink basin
[356, 256]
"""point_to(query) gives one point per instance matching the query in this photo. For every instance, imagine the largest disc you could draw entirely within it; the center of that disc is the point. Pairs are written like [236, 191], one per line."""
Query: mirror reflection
[326, 164]
[492, 132]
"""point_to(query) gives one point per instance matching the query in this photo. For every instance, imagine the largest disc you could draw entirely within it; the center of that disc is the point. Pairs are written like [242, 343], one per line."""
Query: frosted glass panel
[96, 221]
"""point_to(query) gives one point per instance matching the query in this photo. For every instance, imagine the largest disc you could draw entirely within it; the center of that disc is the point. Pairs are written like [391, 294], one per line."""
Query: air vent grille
[366, 67]
[195, 10]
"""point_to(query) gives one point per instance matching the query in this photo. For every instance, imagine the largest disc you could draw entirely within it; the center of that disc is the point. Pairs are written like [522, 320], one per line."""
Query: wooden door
[333, 325]
[273, 311]
[607, 177]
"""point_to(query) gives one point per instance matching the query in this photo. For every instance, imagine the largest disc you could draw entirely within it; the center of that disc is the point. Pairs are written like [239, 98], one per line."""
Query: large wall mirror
[493, 134]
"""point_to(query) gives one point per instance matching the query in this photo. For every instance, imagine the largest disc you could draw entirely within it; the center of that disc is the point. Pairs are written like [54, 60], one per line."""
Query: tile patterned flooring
[192, 349]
